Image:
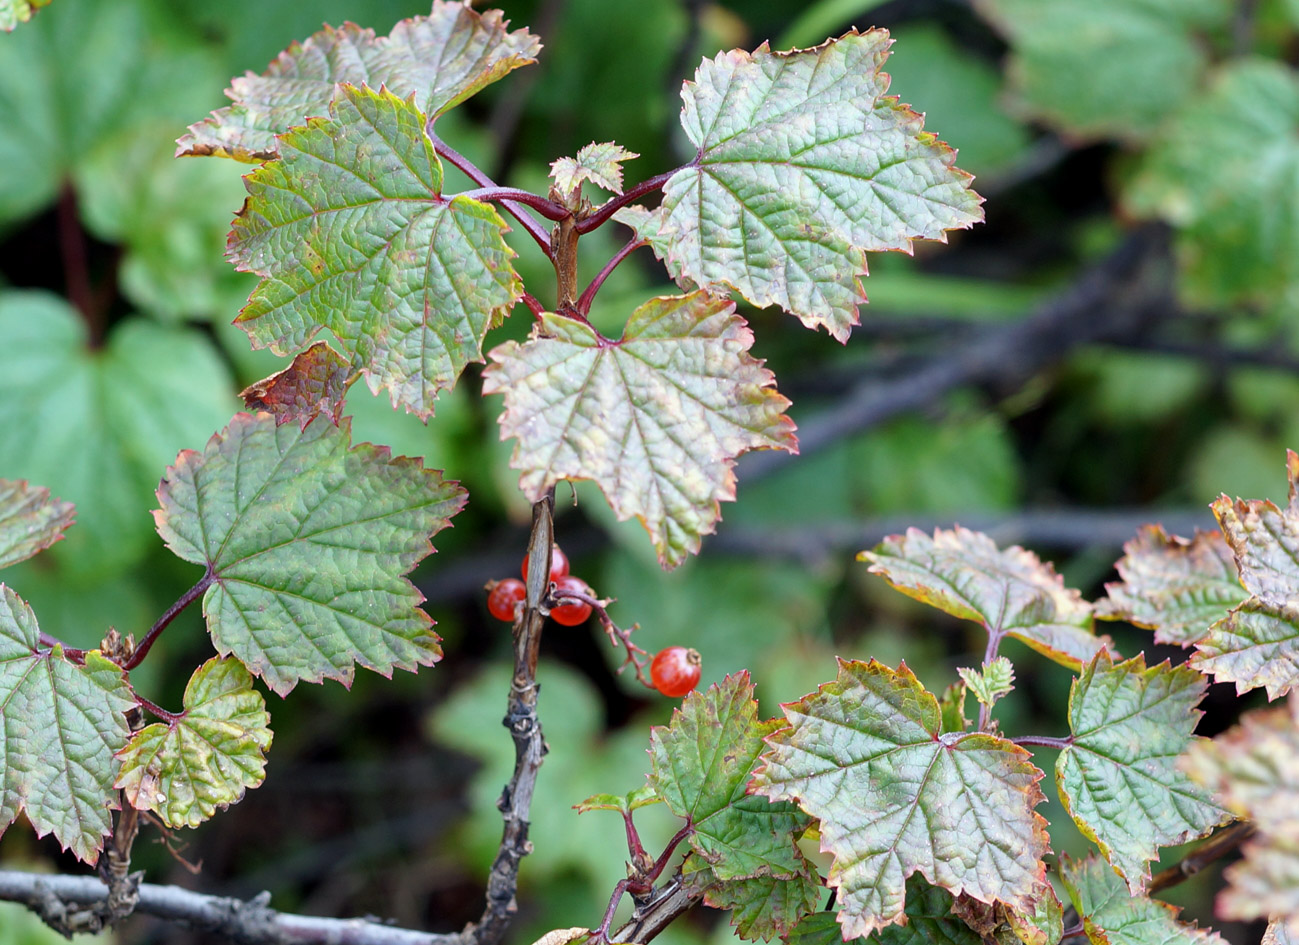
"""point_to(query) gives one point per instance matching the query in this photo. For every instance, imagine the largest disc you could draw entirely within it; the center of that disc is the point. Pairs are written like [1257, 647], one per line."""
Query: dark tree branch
[659, 911]
[142, 649]
[1219, 845]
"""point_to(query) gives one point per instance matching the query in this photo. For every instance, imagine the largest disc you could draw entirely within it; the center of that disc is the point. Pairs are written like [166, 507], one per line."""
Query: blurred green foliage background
[1164, 125]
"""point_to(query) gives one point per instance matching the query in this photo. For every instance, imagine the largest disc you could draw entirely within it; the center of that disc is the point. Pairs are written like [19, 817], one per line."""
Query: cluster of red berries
[673, 672]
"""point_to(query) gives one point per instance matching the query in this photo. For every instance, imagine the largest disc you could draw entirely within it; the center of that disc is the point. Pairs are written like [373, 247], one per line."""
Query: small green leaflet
[966, 575]
[13, 12]
[1113, 916]
[601, 164]
[804, 165]
[316, 382]
[702, 763]
[643, 796]
[655, 418]
[1254, 769]
[876, 733]
[765, 906]
[306, 540]
[1153, 53]
[996, 679]
[30, 520]
[1257, 644]
[1173, 586]
[440, 60]
[185, 769]
[1119, 778]
[62, 724]
[351, 233]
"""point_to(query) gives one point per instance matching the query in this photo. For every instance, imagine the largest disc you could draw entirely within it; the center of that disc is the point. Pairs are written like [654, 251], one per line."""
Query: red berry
[503, 597]
[675, 671]
[558, 564]
[574, 612]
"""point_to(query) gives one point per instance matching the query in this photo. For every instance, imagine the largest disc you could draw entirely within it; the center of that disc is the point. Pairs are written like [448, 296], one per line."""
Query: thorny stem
[1216, 847]
[1043, 741]
[584, 303]
[142, 650]
[514, 209]
[601, 216]
[525, 729]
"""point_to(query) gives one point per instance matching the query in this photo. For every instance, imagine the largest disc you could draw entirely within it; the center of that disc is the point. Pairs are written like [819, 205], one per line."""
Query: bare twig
[659, 911]
[1219, 845]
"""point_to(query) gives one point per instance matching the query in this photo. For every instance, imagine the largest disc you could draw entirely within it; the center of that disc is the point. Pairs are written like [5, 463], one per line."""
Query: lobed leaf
[438, 60]
[30, 521]
[1254, 770]
[601, 164]
[655, 418]
[306, 540]
[1119, 778]
[62, 723]
[351, 234]
[965, 574]
[316, 382]
[1151, 51]
[1257, 643]
[934, 796]
[1174, 586]
[994, 681]
[702, 762]
[1112, 915]
[765, 906]
[803, 166]
[187, 768]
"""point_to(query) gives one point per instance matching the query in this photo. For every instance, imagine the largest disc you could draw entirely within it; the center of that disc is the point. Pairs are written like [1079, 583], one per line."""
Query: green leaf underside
[601, 164]
[935, 797]
[306, 541]
[1257, 644]
[1254, 769]
[1153, 59]
[1221, 172]
[316, 382]
[765, 906]
[655, 419]
[13, 12]
[804, 165]
[187, 769]
[62, 724]
[1174, 586]
[643, 796]
[351, 234]
[702, 764]
[1009, 591]
[1113, 916]
[994, 681]
[30, 520]
[1119, 778]
[440, 59]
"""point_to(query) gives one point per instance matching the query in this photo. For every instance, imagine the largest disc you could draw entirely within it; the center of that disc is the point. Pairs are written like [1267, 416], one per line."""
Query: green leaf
[1221, 173]
[1257, 644]
[1113, 916]
[13, 12]
[875, 733]
[187, 768]
[1152, 59]
[643, 796]
[951, 705]
[315, 383]
[1254, 769]
[1173, 586]
[62, 724]
[352, 234]
[1044, 924]
[803, 166]
[1119, 778]
[601, 164]
[929, 922]
[305, 541]
[702, 763]
[437, 60]
[655, 418]
[30, 521]
[1010, 592]
[996, 679]
[765, 906]
[122, 410]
